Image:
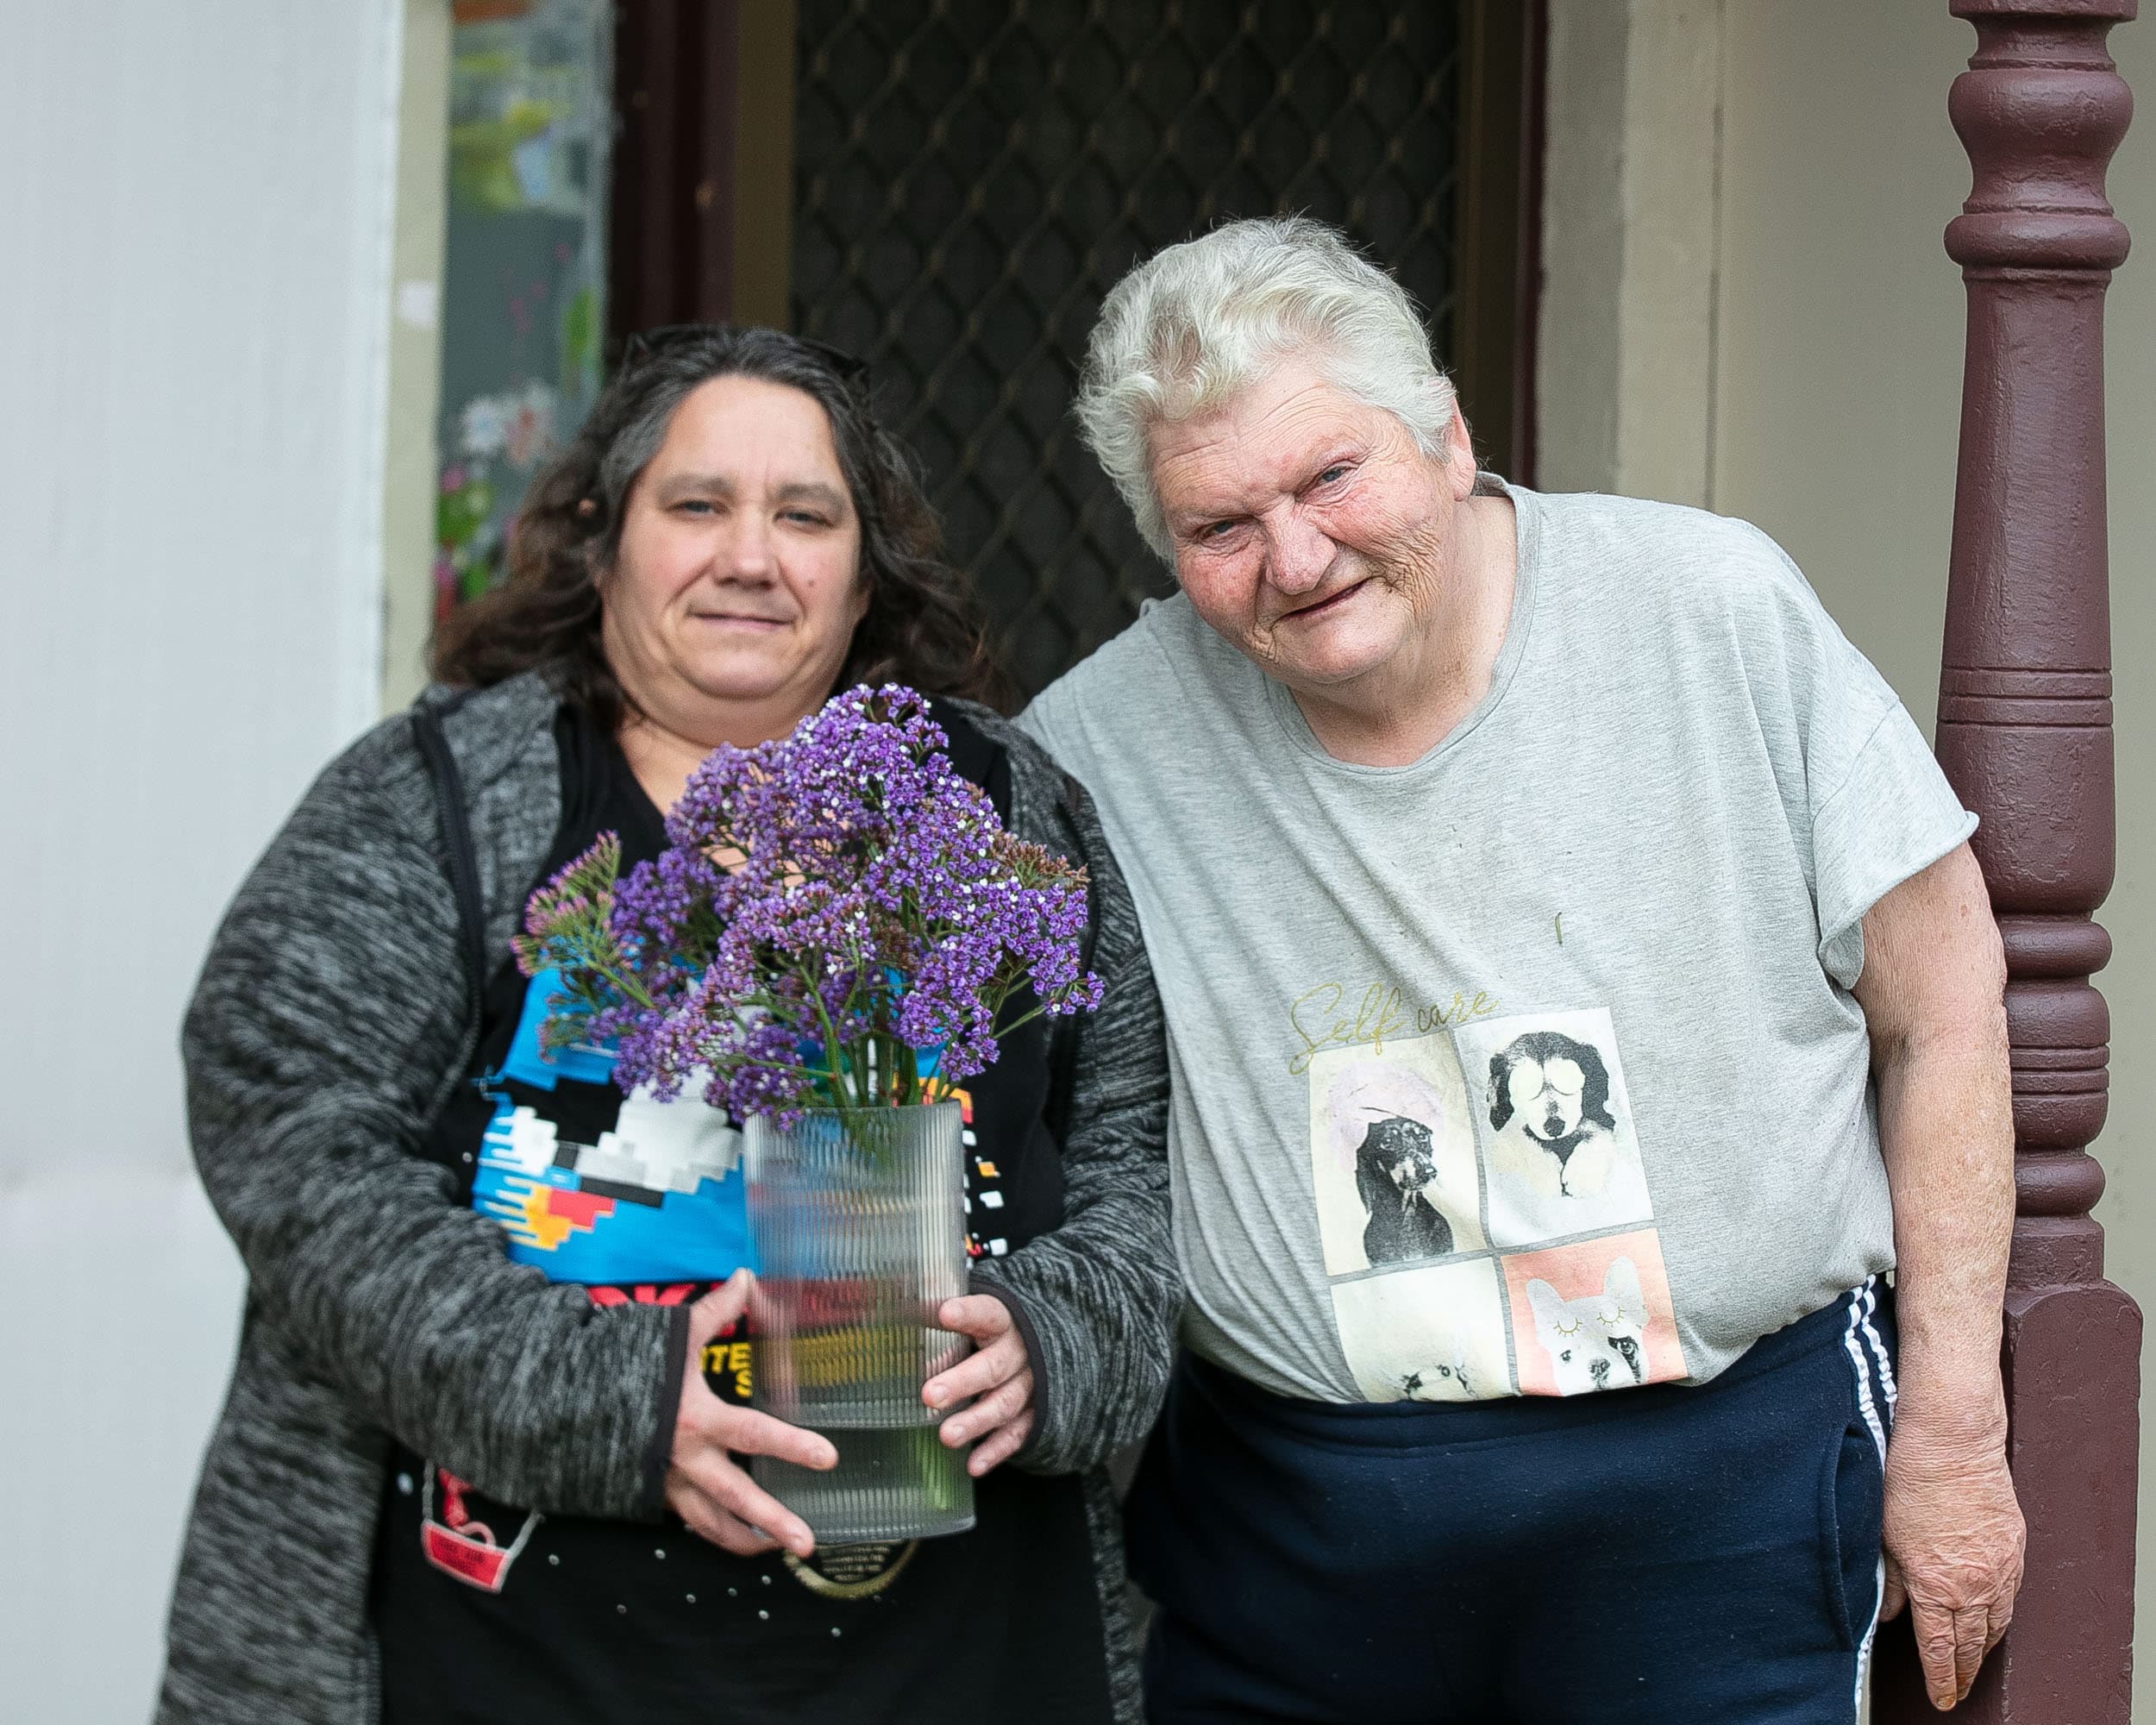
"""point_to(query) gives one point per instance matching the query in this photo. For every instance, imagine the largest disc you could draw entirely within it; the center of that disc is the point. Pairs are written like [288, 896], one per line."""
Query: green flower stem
[835, 1054]
[624, 981]
[1023, 1019]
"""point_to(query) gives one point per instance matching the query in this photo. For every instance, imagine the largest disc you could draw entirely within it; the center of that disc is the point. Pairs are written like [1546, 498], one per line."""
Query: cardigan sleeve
[1098, 1298]
[329, 1019]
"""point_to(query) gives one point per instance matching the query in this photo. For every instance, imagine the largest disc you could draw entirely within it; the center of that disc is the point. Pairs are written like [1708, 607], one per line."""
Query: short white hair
[1194, 326]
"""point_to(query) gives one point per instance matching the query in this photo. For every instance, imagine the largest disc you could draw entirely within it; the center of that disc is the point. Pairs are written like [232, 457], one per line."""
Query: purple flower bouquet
[839, 920]
[838, 933]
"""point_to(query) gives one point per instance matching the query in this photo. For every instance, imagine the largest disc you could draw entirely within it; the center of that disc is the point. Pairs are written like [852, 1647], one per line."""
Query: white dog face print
[1593, 1315]
[1594, 1343]
[1556, 1126]
[1392, 1149]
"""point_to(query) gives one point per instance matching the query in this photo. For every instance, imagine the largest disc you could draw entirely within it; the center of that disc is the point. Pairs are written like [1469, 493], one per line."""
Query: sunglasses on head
[646, 343]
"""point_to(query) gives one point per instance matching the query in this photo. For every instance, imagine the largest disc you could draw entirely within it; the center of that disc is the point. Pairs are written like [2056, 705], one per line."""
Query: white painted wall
[1831, 348]
[194, 209]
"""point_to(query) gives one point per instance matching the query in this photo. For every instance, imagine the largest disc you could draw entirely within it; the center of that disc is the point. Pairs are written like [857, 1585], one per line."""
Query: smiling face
[737, 584]
[1308, 529]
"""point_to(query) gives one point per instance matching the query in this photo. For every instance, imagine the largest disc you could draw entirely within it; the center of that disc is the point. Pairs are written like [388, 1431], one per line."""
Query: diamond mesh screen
[973, 175]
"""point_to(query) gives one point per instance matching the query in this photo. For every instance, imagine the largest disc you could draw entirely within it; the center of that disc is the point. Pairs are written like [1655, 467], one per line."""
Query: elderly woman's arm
[1098, 1298]
[329, 1020]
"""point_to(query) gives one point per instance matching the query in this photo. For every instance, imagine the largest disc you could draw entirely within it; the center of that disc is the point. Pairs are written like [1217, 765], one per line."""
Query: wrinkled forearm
[1946, 1128]
[1952, 1534]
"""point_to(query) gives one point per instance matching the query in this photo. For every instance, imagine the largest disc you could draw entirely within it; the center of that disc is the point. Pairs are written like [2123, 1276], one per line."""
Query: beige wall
[1630, 233]
[1748, 305]
[410, 460]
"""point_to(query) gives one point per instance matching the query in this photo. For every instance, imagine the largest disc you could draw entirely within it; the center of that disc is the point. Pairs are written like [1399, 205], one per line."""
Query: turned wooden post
[2025, 735]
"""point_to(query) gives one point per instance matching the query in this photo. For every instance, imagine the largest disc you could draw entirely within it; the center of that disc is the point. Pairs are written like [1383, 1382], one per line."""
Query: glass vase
[857, 1218]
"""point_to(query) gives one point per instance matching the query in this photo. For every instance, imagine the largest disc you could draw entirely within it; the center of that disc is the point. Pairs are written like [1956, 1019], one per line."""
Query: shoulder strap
[456, 833]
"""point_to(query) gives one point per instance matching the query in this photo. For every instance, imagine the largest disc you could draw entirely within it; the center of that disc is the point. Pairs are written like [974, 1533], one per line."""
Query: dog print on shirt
[1556, 1126]
[1598, 1343]
[1593, 1316]
[1484, 1212]
[1432, 1335]
[1392, 1154]
[1552, 1094]
[1395, 1170]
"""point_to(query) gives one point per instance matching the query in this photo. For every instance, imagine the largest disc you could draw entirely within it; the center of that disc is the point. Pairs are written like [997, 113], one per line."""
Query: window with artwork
[524, 279]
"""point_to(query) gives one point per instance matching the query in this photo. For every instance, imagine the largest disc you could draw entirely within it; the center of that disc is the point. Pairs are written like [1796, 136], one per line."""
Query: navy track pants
[1671, 1554]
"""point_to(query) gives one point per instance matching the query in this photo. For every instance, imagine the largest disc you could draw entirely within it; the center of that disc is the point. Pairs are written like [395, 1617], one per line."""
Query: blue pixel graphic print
[656, 1197]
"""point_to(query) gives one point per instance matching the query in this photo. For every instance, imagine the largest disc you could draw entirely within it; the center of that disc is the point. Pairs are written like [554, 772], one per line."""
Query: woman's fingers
[719, 1426]
[711, 1315]
[1002, 1445]
[998, 1407]
[709, 1522]
[756, 1507]
[712, 1494]
[746, 1432]
[724, 1493]
[1969, 1648]
[717, 1500]
[2001, 1615]
[982, 1316]
[978, 1373]
[1894, 1596]
[998, 1375]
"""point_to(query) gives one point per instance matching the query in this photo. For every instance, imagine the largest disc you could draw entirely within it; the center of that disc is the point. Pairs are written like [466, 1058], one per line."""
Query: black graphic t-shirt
[486, 1610]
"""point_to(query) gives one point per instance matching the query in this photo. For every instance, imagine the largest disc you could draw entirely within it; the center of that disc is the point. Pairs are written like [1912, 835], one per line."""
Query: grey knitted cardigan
[330, 1022]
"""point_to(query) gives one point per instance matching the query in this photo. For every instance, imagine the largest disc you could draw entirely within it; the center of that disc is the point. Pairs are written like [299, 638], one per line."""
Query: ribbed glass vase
[857, 1217]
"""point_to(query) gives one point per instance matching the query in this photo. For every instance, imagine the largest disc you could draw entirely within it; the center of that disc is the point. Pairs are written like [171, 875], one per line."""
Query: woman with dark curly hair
[479, 1461]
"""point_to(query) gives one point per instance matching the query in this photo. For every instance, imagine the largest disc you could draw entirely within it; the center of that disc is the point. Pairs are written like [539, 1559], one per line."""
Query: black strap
[456, 833]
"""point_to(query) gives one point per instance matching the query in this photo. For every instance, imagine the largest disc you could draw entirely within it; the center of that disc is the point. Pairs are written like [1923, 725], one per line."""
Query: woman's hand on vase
[997, 1372]
[706, 1486]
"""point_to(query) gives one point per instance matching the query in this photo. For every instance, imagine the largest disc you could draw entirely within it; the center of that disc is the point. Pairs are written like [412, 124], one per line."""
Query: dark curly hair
[922, 625]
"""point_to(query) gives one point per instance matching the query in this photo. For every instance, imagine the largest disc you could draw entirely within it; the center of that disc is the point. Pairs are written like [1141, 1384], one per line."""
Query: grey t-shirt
[1530, 1068]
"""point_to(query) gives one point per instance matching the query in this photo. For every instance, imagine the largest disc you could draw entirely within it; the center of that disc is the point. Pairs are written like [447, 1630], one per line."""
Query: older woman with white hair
[1580, 995]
